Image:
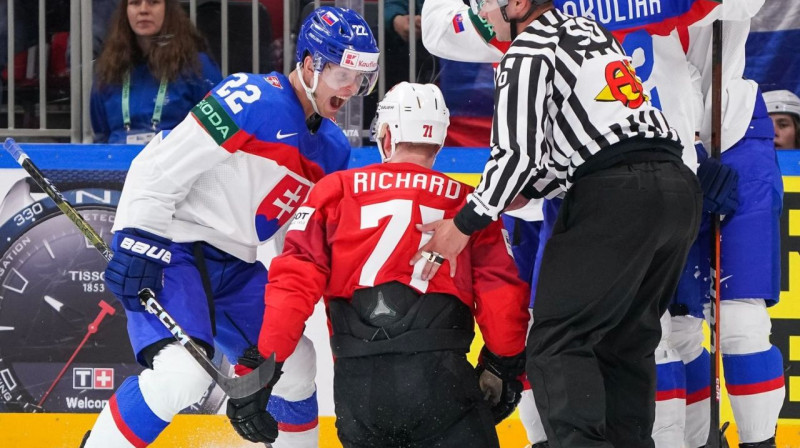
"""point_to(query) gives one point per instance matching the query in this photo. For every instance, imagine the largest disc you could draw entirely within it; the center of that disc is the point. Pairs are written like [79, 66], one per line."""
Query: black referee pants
[607, 275]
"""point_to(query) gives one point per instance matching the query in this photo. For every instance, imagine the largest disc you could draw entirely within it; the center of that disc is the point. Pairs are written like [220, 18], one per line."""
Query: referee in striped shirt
[572, 120]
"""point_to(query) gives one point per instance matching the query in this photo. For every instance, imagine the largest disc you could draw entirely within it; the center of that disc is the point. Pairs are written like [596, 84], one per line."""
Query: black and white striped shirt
[565, 90]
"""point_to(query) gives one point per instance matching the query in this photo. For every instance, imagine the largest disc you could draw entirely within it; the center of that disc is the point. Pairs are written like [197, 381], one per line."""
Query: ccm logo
[145, 249]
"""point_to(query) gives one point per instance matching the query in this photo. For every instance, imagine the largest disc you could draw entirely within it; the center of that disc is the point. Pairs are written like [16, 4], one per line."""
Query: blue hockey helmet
[340, 36]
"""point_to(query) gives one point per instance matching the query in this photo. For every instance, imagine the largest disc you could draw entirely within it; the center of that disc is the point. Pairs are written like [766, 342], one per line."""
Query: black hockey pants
[401, 376]
[607, 275]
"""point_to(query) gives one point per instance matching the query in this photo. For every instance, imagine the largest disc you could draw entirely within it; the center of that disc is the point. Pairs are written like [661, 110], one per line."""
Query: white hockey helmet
[414, 113]
[782, 102]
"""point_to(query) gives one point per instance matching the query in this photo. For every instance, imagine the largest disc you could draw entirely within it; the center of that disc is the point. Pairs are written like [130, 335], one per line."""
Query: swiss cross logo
[279, 206]
[349, 59]
[329, 18]
[104, 379]
[274, 81]
[88, 378]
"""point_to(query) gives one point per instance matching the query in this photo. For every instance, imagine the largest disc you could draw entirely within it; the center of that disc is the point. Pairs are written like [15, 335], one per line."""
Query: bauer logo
[89, 378]
[141, 248]
[301, 218]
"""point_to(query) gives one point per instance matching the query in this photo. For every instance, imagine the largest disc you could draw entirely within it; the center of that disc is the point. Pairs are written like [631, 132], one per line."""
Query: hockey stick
[716, 434]
[235, 387]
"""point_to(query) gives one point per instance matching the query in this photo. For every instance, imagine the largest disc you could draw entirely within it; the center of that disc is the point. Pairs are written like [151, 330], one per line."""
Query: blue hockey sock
[294, 416]
[133, 417]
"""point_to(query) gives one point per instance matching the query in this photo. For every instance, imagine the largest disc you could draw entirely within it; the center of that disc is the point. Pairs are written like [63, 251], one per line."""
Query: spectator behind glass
[153, 69]
[784, 109]
[398, 25]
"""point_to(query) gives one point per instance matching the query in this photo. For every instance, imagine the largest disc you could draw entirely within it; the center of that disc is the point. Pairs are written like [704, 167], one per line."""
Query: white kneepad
[175, 382]
[744, 326]
[665, 353]
[299, 371]
[687, 337]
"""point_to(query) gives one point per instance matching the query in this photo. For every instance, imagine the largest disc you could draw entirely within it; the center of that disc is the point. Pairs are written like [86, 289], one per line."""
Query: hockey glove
[719, 184]
[498, 378]
[248, 415]
[138, 262]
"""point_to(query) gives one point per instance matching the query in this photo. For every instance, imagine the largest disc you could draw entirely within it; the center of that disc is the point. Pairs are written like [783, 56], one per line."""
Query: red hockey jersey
[358, 229]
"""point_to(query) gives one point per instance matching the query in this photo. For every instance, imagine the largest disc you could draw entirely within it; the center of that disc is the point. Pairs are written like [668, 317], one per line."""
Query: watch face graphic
[64, 344]
[54, 304]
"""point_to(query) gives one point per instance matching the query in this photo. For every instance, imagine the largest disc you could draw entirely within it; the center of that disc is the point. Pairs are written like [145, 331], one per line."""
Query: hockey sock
[670, 418]
[753, 368]
[127, 420]
[698, 396]
[297, 421]
[756, 388]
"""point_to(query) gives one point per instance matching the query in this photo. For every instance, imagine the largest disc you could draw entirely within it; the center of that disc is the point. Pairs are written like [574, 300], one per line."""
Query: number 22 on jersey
[247, 94]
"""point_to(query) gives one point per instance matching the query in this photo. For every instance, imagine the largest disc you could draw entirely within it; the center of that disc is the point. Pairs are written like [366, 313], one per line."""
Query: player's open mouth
[337, 102]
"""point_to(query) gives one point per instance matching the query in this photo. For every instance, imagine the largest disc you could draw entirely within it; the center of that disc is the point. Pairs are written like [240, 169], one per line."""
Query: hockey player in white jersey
[207, 195]
[754, 374]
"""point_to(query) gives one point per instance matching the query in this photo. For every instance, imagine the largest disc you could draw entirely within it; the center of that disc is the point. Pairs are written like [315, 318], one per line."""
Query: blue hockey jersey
[235, 170]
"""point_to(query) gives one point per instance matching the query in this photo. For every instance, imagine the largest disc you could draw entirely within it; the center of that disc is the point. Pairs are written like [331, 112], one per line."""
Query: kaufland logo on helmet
[329, 18]
[365, 62]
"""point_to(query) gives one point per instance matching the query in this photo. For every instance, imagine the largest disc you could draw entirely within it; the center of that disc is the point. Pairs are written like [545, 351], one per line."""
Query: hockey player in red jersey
[401, 377]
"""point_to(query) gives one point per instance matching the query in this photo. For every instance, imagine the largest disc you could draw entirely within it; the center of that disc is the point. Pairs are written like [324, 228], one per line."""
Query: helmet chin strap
[513, 22]
[309, 91]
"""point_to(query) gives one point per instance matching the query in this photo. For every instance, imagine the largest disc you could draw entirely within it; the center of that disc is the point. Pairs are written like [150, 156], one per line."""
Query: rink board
[58, 429]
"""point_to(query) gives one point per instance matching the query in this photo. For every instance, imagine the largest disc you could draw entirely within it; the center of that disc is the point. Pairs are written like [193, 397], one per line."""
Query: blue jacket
[181, 96]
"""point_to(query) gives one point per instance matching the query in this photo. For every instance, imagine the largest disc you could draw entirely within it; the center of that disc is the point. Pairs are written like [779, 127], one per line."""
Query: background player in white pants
[750, 238]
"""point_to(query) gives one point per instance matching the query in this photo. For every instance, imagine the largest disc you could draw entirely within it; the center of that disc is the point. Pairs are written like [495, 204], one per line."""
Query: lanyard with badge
[140, 137]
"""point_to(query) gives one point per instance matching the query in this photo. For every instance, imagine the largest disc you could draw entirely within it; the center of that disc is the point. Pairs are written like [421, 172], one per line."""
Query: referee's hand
[445, 245]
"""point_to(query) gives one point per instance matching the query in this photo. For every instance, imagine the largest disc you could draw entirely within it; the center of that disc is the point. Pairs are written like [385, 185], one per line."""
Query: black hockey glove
[248, 415]
[719, 184]
[498, 377]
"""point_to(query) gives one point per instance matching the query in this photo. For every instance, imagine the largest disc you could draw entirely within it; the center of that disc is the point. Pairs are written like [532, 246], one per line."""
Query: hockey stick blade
[235, 387]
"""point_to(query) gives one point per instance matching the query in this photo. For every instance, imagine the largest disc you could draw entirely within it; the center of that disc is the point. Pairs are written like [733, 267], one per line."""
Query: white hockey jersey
[648, 33]
[234, 171]
[738, 94]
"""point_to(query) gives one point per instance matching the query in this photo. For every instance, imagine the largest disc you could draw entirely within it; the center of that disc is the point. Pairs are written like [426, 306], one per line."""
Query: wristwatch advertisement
[63, 339]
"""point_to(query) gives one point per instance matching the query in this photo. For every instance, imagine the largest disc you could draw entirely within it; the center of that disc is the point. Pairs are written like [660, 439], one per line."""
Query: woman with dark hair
[153, 69]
